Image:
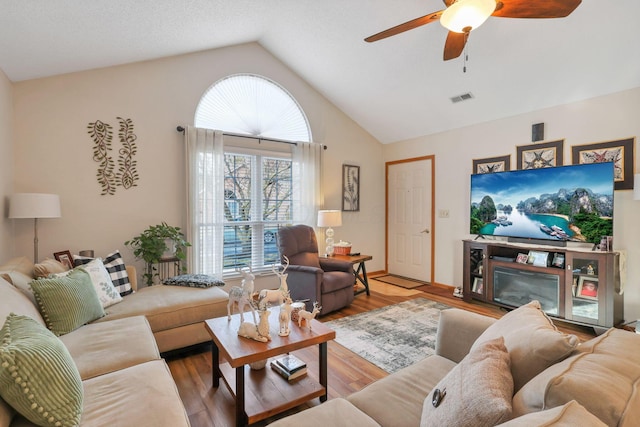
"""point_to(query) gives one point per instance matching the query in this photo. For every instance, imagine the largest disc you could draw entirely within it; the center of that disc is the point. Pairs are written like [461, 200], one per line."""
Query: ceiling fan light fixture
[465, 15]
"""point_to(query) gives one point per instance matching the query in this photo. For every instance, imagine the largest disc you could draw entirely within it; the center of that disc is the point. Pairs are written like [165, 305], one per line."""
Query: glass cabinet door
[583, 297]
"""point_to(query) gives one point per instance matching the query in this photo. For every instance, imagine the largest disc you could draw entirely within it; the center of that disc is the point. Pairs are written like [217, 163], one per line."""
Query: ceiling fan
[462, 16]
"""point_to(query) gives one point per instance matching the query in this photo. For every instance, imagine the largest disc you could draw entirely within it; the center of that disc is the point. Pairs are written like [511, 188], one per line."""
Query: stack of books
[289, 367]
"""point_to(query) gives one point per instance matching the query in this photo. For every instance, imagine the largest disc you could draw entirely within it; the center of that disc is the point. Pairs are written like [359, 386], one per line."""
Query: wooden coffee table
[262, 393]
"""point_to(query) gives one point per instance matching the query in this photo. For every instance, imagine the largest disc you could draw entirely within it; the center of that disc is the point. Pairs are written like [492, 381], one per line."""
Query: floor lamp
[34, 205]
[329, 218]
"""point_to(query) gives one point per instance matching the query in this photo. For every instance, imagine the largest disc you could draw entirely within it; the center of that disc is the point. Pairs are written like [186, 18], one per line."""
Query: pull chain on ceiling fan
[462, 16]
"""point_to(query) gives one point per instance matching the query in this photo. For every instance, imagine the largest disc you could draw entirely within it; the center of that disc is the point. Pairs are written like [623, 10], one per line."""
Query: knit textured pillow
[478, 390]
[66, 303]
[194, 281]
[533, 341]
[37, 375]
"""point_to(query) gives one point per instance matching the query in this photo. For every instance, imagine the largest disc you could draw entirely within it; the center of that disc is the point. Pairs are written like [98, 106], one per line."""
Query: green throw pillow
[37, 375]
[66, 303]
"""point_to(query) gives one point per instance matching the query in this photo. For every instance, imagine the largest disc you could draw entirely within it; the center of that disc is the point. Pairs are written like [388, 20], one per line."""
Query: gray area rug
[391, 337]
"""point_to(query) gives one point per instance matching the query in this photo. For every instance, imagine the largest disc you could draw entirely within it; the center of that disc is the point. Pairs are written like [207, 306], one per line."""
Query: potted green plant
[152, 246]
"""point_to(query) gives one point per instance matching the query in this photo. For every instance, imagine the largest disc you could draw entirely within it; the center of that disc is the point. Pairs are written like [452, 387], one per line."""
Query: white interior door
[409, 221]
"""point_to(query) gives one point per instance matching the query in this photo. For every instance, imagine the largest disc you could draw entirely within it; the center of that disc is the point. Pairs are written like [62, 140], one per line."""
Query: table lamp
[329, 218]
[34, 205]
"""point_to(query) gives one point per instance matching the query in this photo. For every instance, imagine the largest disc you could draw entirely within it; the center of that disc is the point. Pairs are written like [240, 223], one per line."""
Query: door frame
[432, 158]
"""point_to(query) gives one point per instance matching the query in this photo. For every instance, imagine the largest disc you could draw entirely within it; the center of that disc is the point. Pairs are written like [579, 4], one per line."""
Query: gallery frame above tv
[558, 204]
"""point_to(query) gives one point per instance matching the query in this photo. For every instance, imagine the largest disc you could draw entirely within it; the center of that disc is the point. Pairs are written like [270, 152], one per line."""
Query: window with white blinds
[258, 179]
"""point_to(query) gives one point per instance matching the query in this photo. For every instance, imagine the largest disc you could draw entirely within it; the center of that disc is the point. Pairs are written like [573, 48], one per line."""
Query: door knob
[426, 230]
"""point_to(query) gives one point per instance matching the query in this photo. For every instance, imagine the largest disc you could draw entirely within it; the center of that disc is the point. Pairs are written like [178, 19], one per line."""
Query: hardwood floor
[347, 372]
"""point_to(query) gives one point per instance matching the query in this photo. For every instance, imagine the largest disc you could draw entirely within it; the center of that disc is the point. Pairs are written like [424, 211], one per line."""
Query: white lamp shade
[34, 205]
[636, 186]
[329, 218]
[467, 14]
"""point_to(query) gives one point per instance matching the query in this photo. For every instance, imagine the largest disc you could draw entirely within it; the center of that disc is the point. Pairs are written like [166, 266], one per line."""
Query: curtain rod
[182, 129]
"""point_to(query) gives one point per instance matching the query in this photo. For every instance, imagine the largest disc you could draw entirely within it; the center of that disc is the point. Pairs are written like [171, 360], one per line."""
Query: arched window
[262, 182]
[253, 105]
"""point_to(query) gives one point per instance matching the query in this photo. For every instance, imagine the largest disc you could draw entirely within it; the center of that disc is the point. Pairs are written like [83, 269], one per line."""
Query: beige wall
[600, 119]
[6, 164]
[54, 151]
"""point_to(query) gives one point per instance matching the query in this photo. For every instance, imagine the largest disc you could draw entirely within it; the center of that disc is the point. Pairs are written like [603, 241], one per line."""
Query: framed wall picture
[492, 164]
[587, 288]
[350, 188]
[65, 258]
[619, 152]
[544, 155]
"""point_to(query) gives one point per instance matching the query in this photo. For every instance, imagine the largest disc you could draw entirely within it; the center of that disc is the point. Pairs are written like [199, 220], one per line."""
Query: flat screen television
[566, 203]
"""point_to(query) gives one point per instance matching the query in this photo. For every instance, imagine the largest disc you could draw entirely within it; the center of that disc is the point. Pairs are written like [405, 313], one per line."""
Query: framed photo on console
[587, 288]
[478, 285]
[65, 258]
[538, 258]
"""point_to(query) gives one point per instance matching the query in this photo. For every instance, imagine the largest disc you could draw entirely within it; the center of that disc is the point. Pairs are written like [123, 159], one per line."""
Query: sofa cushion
[168, 307]
[101, 280]
[533, 341]
[47, 267]
[478, 390]
[15, 301]
[334, 412]
[66, 303]
[21, 265]
[403, 392]
[570, 415]
[142, 395]
[19, 272]
[603, 376]
[116, 268]
[37, 375]
[100, 348]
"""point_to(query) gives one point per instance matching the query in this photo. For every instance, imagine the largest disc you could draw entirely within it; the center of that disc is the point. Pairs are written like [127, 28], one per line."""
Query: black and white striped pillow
[116, 268]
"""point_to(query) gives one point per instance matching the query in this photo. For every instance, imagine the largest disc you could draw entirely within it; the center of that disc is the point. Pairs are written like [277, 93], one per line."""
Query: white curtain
[307, 182]
[205, 196]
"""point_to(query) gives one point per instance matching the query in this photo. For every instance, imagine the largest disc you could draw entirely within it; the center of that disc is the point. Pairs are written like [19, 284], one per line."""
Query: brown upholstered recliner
[311, 277]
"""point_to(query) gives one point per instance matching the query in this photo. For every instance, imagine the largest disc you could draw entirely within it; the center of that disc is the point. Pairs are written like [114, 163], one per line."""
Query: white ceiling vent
[463, 97]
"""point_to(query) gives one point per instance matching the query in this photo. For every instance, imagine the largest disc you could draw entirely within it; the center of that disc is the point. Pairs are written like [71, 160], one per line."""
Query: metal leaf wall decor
[102, 135]
[127, 174]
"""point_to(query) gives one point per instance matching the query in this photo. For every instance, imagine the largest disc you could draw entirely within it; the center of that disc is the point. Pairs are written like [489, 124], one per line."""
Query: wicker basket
[342, 248]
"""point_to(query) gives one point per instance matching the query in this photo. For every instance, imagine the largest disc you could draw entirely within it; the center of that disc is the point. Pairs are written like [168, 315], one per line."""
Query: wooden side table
[263, 393]
[360, 260]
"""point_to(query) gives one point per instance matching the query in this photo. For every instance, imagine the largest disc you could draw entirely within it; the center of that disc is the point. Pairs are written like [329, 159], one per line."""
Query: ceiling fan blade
[535, 9]
[454, 45]
[409, 25]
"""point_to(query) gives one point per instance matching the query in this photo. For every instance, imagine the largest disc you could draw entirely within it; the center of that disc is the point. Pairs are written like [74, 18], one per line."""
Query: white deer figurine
[285, 317]
[242, 296]
[304, 314]
[259, 332]
[275, 296]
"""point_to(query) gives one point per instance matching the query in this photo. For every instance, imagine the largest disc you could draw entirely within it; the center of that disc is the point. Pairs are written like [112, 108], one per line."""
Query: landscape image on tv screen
[562, 203]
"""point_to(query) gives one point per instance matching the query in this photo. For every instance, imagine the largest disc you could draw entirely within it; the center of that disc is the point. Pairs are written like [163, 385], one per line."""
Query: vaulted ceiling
[397, 88]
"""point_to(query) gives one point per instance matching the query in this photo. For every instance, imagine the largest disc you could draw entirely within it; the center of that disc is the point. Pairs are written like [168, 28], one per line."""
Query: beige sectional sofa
[124, 381]
[517, 371]
[176, 314]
